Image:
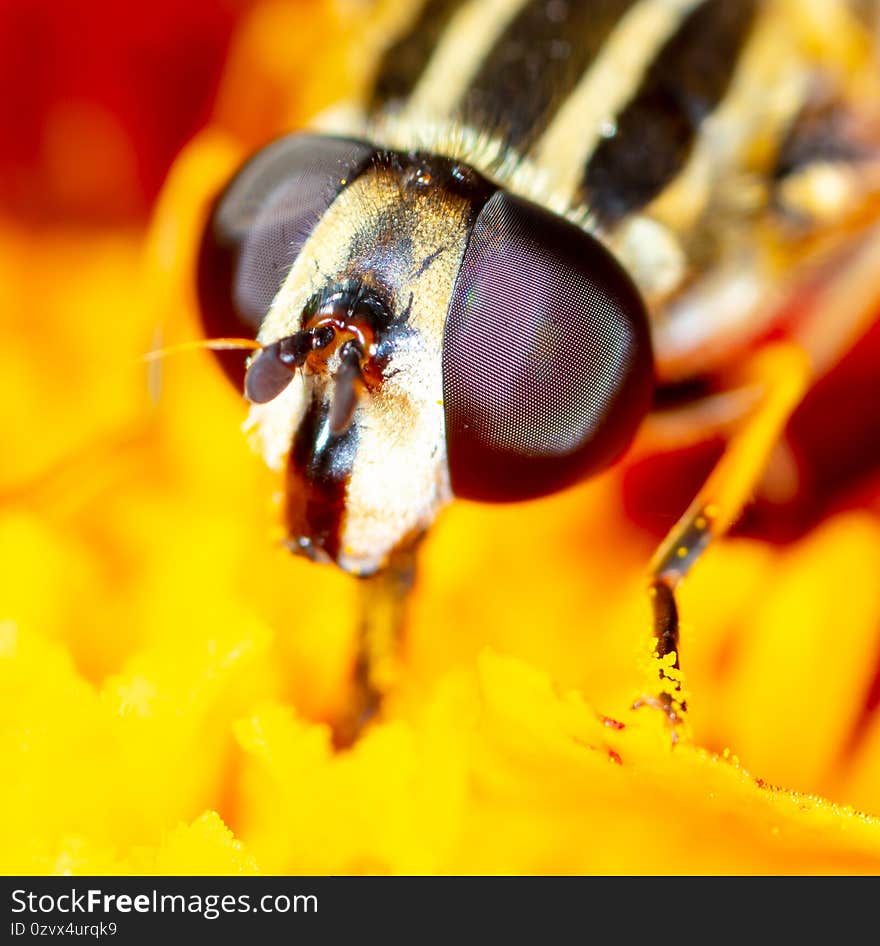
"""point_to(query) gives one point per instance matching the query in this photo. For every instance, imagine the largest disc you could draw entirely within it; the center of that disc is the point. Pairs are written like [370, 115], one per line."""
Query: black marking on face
[404, 61]
[536, 63]
[318, 472]
[407, 312]
[428, 261]
[657, 130]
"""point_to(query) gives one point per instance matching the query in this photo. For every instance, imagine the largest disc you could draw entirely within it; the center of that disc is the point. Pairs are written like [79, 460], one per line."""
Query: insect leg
[847, 306]
[382, 616]
[781, 373]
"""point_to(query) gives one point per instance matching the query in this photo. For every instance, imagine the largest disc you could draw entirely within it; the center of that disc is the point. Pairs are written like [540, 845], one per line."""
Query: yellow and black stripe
[662, 126]
[655, 132]
[630, 81]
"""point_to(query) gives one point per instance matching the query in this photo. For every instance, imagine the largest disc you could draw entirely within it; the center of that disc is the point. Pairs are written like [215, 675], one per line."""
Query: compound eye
[259, 225]
[547, 364]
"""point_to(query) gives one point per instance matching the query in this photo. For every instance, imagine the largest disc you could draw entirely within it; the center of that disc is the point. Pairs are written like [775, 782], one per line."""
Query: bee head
[424, 334]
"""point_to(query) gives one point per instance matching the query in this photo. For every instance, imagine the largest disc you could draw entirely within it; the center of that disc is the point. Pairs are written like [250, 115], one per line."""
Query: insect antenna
[211, 344]
[155, 357]
[273, 369]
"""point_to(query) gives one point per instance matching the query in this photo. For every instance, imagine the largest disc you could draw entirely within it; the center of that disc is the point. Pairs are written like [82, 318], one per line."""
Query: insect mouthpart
[345, 388]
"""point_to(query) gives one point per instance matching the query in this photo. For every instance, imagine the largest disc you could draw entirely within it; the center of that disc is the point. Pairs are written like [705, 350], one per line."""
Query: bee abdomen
[535, 64]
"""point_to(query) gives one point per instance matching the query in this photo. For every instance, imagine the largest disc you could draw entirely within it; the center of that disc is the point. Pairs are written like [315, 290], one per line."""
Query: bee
[545, 220]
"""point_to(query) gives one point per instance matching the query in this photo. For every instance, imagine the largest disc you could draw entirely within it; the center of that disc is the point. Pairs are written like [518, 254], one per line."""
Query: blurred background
[99, 99]
[151, 610]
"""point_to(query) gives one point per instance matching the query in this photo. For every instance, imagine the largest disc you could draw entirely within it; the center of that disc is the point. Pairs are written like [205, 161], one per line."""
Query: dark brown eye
[547, 364]
[259, 225]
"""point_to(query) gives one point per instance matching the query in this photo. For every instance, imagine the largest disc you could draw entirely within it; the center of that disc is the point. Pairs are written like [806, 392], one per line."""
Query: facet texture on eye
[547, 366]
[259, 225]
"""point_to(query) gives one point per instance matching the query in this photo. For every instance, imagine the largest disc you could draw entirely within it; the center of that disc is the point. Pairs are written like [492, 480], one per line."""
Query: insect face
[424, 335]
